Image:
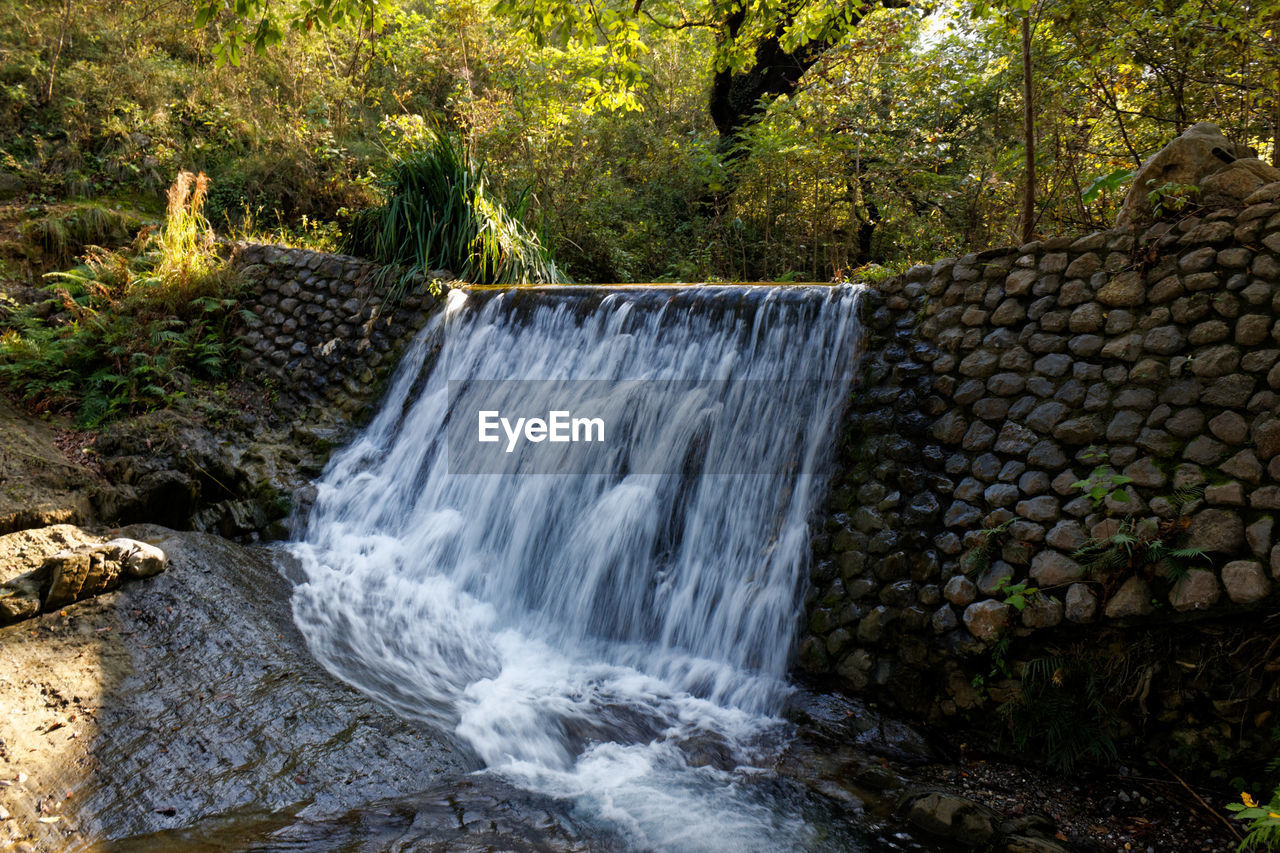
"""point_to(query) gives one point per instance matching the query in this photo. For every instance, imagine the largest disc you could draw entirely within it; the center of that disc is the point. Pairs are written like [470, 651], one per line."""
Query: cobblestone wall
[997, 382]
[318, 325]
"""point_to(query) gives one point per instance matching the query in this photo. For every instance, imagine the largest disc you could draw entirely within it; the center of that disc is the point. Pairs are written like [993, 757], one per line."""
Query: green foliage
[134, 99]
[1264, 822]
[1061, 715]
[133, 330]
[1000, 665]
[440, 213]
[612, 37]
[900, 143]
[1171, 198]
[256, 25]
[1114, 181]
[992, 539]
[1017, 595]
[63, 233]
[1103, 557]
[1103, 483]
[1263, 818]
[1147, 546]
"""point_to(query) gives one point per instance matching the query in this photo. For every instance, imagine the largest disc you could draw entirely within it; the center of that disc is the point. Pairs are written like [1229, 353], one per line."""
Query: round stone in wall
[1042, 612]
[960, 591]
[1081, 604]
[1199, 590]
[987, 619]
[1132, 599]
[1245, 581]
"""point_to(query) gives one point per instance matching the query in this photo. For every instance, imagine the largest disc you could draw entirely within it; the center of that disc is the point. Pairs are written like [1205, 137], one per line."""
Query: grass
[439, 213]
[63, 233]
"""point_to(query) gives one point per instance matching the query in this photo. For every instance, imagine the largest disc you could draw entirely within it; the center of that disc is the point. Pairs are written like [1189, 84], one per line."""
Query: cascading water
[617, 632]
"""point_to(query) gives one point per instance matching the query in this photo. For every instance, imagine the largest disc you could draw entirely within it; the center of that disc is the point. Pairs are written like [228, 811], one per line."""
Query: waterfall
[609, 622]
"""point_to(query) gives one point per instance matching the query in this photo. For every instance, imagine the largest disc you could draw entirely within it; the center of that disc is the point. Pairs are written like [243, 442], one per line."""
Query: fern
[129, 326]
[1061, 714]
[1184, 496]
[980, 558]
[1125, 549]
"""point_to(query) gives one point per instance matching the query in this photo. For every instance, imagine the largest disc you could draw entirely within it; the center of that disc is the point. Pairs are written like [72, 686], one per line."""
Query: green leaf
[1106, 183]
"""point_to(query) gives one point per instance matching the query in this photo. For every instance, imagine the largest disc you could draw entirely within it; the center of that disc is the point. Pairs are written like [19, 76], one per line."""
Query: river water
[609, 624]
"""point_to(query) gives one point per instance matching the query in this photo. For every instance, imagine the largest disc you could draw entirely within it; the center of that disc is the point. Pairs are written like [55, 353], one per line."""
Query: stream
[607, 624]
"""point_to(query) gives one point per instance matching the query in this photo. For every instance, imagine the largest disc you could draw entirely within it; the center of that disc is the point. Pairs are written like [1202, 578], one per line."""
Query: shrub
[440, 213]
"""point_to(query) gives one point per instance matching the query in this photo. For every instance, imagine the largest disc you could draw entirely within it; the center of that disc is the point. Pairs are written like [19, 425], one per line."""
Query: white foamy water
[616, 635]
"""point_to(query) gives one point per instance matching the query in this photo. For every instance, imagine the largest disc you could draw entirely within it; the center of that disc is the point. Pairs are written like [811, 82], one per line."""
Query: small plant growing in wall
[1103, 482]
[984, 553]
[1017, 595]
[1001, 667]
[1152, 549]
[1171, 198]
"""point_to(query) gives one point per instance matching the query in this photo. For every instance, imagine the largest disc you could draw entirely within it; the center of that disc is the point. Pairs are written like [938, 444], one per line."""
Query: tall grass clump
[185, 260]
[439, 212]
[127, 331]
[63, 233]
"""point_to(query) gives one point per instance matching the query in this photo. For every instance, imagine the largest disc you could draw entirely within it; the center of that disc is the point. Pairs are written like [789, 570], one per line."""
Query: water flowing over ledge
[618, 638]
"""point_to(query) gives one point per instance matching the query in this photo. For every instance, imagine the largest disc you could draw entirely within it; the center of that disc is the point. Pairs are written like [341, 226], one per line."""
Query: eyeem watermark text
[622, 427]
[559, 426]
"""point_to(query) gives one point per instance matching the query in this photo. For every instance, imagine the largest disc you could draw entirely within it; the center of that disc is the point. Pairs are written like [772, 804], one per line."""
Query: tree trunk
[1028, 136]
[57, 53]
[1275, 138]
[867, 232]
[738, 98]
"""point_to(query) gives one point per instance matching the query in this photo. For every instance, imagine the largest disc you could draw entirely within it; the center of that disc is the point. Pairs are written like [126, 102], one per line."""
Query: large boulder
[53, 567]
[1224, 172]
[88, 570]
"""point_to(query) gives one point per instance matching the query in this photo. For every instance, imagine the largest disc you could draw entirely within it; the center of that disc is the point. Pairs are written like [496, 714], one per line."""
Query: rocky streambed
[183, 712]
[186, 701]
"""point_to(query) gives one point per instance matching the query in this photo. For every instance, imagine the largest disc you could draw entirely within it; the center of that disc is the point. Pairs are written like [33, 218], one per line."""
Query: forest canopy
[650, 139]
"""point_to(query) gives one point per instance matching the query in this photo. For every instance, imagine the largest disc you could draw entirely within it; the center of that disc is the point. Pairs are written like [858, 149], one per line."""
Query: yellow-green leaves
[258, 26]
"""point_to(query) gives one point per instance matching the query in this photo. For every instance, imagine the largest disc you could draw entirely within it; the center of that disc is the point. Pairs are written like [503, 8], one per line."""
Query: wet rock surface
[230, 466]
[480, 814]
[920, 793]
[948, 816]
[188, 696]
[183, 713]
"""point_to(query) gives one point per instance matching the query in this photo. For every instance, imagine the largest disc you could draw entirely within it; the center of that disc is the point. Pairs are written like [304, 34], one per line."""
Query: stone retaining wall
[996, 383]
[319, 328]
[317, 339]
